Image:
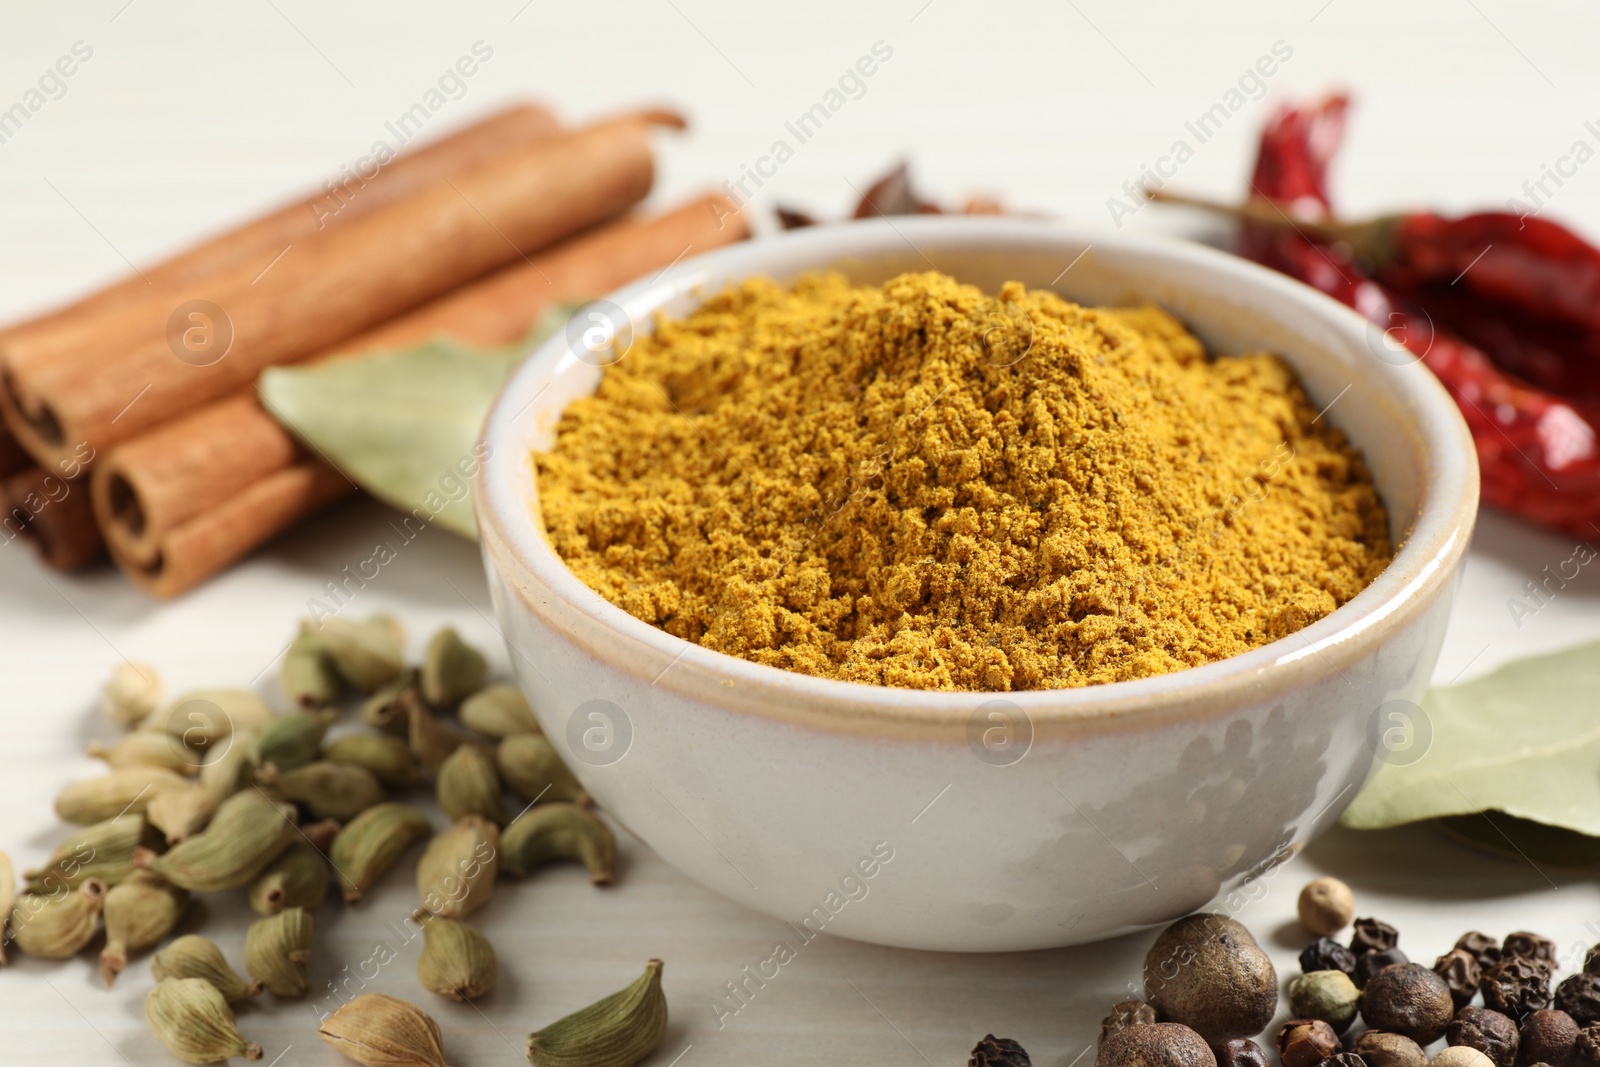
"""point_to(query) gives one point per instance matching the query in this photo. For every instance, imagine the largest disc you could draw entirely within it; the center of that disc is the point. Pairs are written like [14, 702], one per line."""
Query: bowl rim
[1422, 567]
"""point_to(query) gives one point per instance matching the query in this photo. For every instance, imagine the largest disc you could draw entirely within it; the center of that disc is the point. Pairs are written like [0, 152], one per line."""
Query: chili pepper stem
[1371, 241]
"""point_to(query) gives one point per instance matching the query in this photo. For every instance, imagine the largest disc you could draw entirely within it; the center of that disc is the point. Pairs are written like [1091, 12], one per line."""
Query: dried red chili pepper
[1537, 454]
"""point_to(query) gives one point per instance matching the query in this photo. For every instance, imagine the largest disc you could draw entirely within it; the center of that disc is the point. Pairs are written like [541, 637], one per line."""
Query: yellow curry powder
[918, 485]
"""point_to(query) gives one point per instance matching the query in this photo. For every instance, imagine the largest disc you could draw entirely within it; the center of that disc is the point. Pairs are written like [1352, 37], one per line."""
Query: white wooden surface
[189, 115]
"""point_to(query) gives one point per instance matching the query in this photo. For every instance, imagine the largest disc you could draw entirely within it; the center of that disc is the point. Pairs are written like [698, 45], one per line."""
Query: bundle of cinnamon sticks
[131, 420]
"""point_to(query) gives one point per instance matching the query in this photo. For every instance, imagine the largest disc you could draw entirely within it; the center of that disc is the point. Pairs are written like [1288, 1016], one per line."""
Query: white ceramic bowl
[985, 822]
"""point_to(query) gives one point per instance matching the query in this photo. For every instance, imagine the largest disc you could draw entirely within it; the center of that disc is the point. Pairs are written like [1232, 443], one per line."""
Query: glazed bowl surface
[990, 821]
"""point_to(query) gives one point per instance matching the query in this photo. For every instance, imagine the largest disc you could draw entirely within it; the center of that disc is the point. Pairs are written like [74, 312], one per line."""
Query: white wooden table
[187, 116]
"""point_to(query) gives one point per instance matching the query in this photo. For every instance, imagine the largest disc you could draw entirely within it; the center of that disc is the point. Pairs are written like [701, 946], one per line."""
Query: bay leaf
[402, 423]
[1523, 740]
[1523, 839]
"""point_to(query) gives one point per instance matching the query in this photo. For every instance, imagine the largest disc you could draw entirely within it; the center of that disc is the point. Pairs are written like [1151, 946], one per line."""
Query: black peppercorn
[1548, 1036]
[1373, 935]
[1591, 960]
[1460, 971]
[1240, 1052]
[1531, 946]
[999, 1052]
[1482, 946]
[1326, 954]
[1370, 963]
[1306, 1042]
[1488, 1031]
[1127, 1013]
[1408, 999]
[1579, 997]
[1516, 985]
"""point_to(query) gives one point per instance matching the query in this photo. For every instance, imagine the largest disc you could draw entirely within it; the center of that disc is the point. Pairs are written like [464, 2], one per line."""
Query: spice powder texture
[919, 485]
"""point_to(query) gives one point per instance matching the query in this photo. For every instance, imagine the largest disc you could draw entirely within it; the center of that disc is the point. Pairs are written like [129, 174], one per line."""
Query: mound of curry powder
[919, 485]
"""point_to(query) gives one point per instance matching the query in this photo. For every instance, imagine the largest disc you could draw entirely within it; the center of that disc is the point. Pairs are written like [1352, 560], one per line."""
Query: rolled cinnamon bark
[347, 279]
[144, 300]
[160, 496]
[12, 456]
[193, 552]
[54, 513]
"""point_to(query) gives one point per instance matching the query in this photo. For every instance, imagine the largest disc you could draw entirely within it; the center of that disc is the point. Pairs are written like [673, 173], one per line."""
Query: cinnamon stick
[346, 280]
[12, 456]
[160, 496]
[54, 513]
[144, 300]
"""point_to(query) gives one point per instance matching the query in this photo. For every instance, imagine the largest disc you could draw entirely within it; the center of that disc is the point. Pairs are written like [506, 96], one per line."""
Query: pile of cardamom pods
[215, 792]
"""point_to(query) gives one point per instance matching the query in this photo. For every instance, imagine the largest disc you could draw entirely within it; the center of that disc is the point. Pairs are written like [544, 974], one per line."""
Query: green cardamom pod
[456, 961]
[530, 766]
[103, 850]
[328, 790]
[193, 1020]
[132, 693]
[201, 718]
[368, 654]
[308, 676]
[58, 926]
[122, 791]
[148, 748]
[618, 1031]
[452, 670]
[383, 1031]
[276, 950]
[384, 755]
[193, 956]
[455, 876]
[432, 741]
[292, 740]
[372, 843]
[8, 897]
[248, 832]
[296, 879]
[499, 711]
[138, 914]
[229, 768]
[468, 785]
[386, 709]
[551, 832]
[183, 810]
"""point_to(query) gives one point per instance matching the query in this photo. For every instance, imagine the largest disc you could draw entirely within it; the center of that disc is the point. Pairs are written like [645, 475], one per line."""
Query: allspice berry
[1125, 1014]
[1548, 1036]
[1408, 999]
[1208, 973]
[1486, 1030]
[1579, 997]
[1327, 995]
[1382, 1049]
[1240, 1052]
[1326, 906]
[1306, 1042]
[1460, 1056]
[1370, 963]
[1460, 971]
[1156, 1045]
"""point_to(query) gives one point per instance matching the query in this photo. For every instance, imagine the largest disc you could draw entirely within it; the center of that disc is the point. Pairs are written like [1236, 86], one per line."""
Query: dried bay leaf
[1523, 740]
[403, 424]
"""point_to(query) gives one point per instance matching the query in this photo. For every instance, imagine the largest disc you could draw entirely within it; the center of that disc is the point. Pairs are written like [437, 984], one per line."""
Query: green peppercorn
[1327, 995]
